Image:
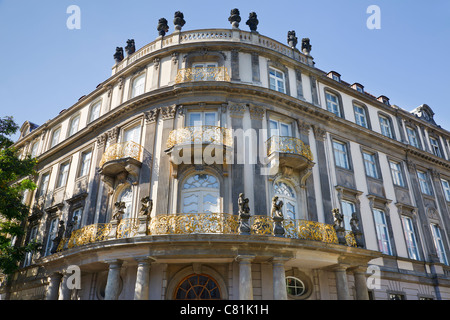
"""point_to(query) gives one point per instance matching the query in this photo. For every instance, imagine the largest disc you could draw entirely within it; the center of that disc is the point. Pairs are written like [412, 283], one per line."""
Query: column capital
[114, 263]
[245, 258]
[145, 259]
[279, 260]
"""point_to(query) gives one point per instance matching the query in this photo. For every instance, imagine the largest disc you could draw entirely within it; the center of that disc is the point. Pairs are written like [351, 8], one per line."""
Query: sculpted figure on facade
[178, 20]
[146, 206]
[119, 210]
[162, 27]
[276, 208]
[235, 18]
[252, 21]
[292, 39]
[59, 237]
[306, 46]
[130, 48]
[118, 56]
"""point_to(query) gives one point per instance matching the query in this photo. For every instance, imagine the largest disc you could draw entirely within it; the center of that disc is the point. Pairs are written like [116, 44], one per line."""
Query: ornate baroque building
[222, 164]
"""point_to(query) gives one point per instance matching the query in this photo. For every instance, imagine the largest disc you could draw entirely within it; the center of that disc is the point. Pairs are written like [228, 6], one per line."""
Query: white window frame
[85, 163]
[74, 125]
[446, 188]
[52, 233]
[397, 173]
[200, 192]
[412, 136]
[284, 129]
[360, 115]
[385, 126]
[34, 149]
[438, 243]
[55, 137]
[423, 182]
[203, 118]
[32, 237]
[138, 133]
[341, 157]
[371, 165]
[277, 80]
[138, 86]
[348, 208]
[43, 185]
[333, 106]
[287, 199]
[435, 148]
[382, 230]
[78, 212]
[63, 174]
[204, 66]
[94, 111]
[410, 238]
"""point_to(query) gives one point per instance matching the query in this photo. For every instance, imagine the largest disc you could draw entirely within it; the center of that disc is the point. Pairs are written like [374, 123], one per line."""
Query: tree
[14, 173]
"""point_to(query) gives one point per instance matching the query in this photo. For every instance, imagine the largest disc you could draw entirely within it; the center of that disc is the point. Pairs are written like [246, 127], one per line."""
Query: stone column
[245, 277]
[341, 283]
[65, 291]
[279, 279]
[113, 282]
[53, 286]
[141, 289]
[362, 292]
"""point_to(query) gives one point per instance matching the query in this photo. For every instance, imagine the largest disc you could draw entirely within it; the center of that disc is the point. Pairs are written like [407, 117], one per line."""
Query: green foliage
[13, 182]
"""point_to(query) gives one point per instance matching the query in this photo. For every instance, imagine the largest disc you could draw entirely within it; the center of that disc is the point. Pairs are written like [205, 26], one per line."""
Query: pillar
[141, 290]
[245, 277]
[362, 292]
[342, 283]
[279, 279]
[113, 281]
[53, 287]
[65, 291]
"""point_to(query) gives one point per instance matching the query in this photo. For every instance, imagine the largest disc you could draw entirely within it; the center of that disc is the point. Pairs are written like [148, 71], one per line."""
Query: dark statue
[292, 39]
[71, 226]
[252, 21]
[339, 226]
[306, 46]
[130, 48]
[354, 224]
[147, 206]
[243, 205]
[119, 210]
[59, 237]
[162, 28]
[118, 56]
[244, 214]
[178, 20]
[235, 18]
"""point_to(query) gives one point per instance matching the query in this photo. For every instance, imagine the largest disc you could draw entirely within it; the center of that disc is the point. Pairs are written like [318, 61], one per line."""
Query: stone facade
[315, 141]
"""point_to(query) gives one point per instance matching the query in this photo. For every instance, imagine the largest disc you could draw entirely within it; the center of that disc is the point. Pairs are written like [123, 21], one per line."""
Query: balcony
[289, 151]
[202, 223]
[122, 150]
[200, 135]
[202, 74]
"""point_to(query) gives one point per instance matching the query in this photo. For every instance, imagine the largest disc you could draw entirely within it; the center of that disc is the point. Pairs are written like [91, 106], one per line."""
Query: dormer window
[358, 87]
[384, 100]
[335, 76]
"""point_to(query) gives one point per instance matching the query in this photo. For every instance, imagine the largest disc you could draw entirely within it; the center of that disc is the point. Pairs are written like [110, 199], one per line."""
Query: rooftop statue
[292, 39]
[162, 28]
[118, 56]
[252, 21]
[306, 46]
[130, 48]
[178, 20]
[235, 18]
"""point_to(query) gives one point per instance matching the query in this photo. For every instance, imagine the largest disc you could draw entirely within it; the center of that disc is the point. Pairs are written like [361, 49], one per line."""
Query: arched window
[286, 194]
[126, 196]
[200, 194]
[197, 287]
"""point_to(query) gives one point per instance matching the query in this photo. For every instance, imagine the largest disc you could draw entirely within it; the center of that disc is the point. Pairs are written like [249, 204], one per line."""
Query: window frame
[382, 228]
[436, 148]
[71, 127]
[375, 169]
[386, 129]
[34, 153]
[338, 112]
[409, 232]
[414, 139]
[81, 164]
[200, 192]
[91, 109]
[424, 183]
[51, 234]
[277, 79]
[439, 243]
[203, 113]
[446, 189]
[54, 143]
[133, 93]
[42, 192]
[345, 153]
[365, 114]
[32, 236]
[400, 174]
[61, 180]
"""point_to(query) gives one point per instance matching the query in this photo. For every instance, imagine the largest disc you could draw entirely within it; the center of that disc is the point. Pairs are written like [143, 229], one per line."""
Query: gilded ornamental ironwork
[129, 149]
[202, 74]
[291, 145]
[200, 135]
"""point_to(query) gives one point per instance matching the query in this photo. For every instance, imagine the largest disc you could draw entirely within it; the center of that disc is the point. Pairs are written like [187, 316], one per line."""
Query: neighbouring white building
[160, 183]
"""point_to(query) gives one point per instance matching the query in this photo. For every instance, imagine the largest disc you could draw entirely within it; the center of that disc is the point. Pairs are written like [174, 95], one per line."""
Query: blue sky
[45, 67]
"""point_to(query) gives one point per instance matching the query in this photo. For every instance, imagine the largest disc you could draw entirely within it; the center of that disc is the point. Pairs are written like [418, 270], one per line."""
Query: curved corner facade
[221, 164]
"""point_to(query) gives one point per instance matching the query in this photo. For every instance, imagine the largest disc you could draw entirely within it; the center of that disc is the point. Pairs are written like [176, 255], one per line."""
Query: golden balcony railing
[203, 223]
[200, 135]
[291, 145]
[202, 74]
[129, 149]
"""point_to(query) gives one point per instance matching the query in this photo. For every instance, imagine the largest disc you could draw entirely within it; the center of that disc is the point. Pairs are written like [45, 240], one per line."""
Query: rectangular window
[438, 243]
[34, 149]
[333, 104]
[423, 182]
[95, 112]
[348, 208]
[52, 233]
[341, 155]
[446, 187]
[277, 80]
[412, 137]
[44, 185]
[360, 116]
[63, 174]
[280, 128]
[384, 243]
[370, 163]
[138, 86]
[73, 128]
[29, 255]
[55, 137]
[76, 218]
[410, 237]
[202, 119]
[85, 163]
[435, 147]
[397, 173]
[396, 296]
[132, 134]
[385, 126]
[205, 71]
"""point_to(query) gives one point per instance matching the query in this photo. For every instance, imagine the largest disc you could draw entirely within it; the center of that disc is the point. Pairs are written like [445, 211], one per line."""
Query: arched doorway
[197, 287]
